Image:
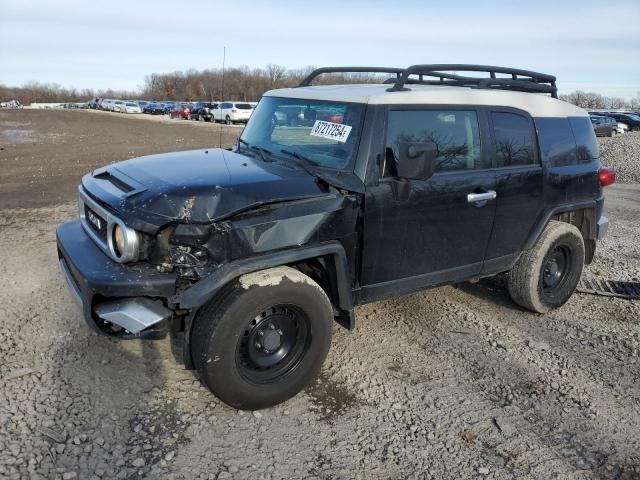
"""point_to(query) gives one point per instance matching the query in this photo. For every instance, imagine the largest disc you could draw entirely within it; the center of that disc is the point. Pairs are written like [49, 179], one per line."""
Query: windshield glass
[324, 132]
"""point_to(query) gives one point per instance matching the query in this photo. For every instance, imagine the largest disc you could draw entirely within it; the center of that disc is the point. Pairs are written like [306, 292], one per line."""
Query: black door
[519, 182]
[425, 232]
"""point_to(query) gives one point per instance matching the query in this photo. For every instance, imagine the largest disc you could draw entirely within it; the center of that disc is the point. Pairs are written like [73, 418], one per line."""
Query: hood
[200, 186]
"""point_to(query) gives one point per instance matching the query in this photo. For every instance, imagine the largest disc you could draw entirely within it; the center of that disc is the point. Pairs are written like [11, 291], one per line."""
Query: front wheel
[544, 277]
[263, 339]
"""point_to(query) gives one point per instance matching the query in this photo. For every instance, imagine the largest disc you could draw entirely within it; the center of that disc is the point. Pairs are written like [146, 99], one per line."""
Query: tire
[544, 277]
[227, 120]
[613, 133]
[281, 306]
[200, 118]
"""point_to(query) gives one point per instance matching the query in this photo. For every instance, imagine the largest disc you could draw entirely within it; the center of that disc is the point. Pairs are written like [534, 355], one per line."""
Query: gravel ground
[454, 382]
[622, 152]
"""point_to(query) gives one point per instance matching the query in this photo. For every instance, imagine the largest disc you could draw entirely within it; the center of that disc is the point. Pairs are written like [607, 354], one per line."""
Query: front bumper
[95, 280]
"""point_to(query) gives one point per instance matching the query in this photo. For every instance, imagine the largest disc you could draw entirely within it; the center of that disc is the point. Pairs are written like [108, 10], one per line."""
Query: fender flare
[548, 215]
[206, 288]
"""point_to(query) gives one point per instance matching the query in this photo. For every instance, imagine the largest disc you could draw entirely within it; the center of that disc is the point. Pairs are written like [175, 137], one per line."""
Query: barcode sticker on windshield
[330, 130]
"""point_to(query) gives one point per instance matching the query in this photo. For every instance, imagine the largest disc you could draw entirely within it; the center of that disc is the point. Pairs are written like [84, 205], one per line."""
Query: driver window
[455, 133]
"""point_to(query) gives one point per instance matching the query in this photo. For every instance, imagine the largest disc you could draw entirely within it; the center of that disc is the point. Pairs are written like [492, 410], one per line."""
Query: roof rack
[319, 71]
[439, 74]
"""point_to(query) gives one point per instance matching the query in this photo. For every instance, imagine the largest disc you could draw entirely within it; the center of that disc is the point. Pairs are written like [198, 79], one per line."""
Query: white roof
[538, 105]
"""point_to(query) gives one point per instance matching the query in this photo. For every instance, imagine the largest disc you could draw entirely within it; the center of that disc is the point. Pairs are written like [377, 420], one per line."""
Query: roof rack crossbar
[522, 80]
[319, 71]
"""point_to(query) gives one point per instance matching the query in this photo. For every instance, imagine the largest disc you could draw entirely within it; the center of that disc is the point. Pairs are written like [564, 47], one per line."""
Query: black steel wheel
[273, 343]
[545, 276]
[556, 269]
[263, 338]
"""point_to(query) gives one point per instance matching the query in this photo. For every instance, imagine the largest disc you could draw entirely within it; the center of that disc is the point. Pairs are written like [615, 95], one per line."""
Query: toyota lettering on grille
[95, 220]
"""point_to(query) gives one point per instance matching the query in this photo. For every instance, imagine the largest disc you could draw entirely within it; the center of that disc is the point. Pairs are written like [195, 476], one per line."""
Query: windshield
[325, 133]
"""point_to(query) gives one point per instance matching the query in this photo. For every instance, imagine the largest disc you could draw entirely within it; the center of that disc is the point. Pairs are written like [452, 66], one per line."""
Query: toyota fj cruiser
[332, 197]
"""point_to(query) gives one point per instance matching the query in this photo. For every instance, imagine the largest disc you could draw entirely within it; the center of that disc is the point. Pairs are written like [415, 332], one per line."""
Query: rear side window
[454, 132]
[514, 140]
[557, 143]
[243, 106]
[586, 143]
[226, 105]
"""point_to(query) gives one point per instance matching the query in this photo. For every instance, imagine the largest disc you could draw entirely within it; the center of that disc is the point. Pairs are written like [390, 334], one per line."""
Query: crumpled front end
[124, 301]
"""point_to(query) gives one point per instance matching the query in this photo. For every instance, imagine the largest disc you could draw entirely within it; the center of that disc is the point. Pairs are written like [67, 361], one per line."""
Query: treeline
[35, 92]
[240, 83]
[595, 101]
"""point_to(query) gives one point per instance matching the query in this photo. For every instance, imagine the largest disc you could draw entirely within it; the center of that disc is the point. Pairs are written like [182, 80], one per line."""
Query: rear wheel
[263, 339]
[544, 277]
[200, 118]
[227, 120]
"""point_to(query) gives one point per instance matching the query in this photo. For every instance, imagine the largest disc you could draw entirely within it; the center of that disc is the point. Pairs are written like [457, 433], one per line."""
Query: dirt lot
[455, 382]
[45, 153]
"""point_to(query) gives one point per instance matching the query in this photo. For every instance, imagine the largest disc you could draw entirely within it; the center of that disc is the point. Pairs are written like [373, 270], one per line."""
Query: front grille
[96, 222]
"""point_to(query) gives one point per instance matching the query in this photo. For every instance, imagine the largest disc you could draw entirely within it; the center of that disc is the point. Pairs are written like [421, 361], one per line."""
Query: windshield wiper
[262, 151]
[299, 156]
[303, 162]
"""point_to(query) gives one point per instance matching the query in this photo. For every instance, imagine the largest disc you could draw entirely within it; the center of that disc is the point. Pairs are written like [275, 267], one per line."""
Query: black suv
[631, 120]
[334, 197]
[203, 111]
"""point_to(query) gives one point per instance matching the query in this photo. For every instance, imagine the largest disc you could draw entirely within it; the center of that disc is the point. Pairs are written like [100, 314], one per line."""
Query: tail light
[607, 176]
[234, 110]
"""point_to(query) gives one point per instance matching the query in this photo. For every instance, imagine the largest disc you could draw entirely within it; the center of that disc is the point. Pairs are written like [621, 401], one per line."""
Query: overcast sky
[588, 45]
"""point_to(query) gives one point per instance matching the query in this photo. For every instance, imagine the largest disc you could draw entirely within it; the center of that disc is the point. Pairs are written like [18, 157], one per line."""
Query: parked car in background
[118, 106]
[604, 126]
[202, 111]
[180, 111]
[168, 106]
[142, 103]
[232, 112]
[107, 105]
[131, 107]
[154, 108]
[631, 121]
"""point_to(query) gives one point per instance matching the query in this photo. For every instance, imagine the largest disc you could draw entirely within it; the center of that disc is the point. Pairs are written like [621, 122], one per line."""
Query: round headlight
[119, 240]
[124, 243]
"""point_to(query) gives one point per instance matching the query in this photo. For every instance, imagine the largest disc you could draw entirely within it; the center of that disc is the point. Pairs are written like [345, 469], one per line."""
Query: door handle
[481, 197]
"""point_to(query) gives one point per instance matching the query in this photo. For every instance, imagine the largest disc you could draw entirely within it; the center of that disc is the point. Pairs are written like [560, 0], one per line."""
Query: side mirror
[417, 161]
